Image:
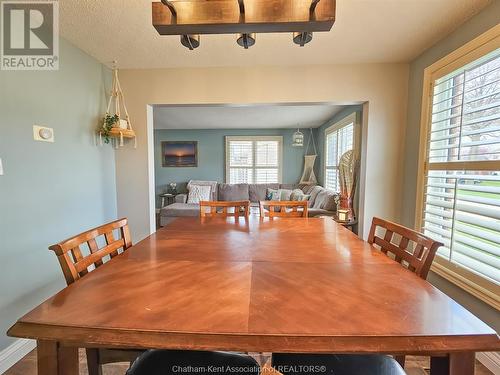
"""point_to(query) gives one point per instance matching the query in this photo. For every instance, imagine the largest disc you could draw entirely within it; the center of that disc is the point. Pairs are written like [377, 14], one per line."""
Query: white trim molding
[15, 352]
[151, 169]
[490, 360]
[479, 287]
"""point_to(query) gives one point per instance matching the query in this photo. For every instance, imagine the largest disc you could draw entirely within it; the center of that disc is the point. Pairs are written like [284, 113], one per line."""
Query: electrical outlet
[41, 133]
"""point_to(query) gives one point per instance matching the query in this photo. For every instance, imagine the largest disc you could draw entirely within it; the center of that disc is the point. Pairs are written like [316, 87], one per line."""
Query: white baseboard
[491, 360]
[15, 352]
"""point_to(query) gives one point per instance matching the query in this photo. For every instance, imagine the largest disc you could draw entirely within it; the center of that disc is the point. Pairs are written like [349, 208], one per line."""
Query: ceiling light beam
[224, 17]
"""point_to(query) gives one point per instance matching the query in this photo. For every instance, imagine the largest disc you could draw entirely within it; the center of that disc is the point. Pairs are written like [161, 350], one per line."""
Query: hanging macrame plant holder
[121, 128]
[308, 177]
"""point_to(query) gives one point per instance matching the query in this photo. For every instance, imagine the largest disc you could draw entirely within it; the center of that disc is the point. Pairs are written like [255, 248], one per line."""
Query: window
[339, 138]
[460, 175]
[253, 160]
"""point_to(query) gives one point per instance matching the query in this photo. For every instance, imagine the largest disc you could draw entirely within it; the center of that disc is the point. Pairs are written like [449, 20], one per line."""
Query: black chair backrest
[176, 362]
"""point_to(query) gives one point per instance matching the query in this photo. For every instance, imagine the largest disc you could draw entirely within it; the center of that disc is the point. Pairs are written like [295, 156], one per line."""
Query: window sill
[479, 287]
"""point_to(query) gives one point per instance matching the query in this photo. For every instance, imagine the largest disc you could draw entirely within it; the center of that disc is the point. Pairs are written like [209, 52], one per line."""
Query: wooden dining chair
[81, 254]
[408, 247]
[222, 208]
[283, 209]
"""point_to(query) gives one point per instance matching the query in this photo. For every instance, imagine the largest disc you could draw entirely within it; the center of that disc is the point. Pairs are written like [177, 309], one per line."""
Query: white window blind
[253, 159]
[462, 173]
[339, 138]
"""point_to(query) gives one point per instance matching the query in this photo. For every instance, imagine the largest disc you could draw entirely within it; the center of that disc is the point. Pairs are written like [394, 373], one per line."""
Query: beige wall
[383, 86]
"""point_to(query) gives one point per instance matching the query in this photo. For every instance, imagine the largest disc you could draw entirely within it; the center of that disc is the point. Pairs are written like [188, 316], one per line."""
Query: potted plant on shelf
[109, 123]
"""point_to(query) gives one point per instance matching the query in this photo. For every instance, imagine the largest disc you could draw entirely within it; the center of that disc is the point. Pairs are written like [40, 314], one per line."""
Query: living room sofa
[321, 201]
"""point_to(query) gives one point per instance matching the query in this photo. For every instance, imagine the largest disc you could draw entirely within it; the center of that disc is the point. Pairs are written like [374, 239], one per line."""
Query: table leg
[453, 364]
[54, 359]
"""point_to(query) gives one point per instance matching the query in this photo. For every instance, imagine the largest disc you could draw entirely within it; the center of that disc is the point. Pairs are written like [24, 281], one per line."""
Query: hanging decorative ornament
[114, 128]
[308, 177]
[298, 139]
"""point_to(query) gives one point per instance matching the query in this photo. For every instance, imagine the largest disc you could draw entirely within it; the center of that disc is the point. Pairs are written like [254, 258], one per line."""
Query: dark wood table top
[257, 285]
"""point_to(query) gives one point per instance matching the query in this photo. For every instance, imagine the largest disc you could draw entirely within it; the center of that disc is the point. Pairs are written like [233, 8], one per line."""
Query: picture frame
[179, 154]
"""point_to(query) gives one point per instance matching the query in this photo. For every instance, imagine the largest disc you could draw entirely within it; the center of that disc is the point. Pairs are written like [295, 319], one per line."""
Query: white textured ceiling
[366, 31]
[243, 116]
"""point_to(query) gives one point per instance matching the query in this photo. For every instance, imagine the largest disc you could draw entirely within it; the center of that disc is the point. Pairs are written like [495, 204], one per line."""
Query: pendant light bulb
[190, 41]
[246, 40]
[302, 38]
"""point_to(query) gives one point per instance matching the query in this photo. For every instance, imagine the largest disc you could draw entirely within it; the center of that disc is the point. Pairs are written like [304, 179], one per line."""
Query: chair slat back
[410, 248]
[224, 208]
[75, 264]
[283, 209]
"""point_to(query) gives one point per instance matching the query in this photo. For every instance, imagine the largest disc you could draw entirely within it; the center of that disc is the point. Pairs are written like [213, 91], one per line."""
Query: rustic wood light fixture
[190, 18]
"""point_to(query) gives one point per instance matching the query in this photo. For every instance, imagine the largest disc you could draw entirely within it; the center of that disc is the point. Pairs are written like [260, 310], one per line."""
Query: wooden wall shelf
[127, 133]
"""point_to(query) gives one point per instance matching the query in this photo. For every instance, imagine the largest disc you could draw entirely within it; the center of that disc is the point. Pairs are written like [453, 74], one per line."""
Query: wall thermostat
[41, 133]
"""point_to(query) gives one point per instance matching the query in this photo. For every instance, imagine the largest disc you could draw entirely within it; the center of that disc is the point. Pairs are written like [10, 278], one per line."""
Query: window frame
[478, 286]
[254, 138]
[352, 118]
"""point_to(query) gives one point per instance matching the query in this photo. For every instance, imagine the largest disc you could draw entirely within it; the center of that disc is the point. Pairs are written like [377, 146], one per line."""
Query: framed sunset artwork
[179, 153]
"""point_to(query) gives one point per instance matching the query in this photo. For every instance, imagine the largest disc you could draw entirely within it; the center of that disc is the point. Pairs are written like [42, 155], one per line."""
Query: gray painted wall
[211, 155]
[49, 190]
[477, 25]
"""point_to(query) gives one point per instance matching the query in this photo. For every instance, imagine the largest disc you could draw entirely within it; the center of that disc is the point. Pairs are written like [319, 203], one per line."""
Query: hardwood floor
[27, 366]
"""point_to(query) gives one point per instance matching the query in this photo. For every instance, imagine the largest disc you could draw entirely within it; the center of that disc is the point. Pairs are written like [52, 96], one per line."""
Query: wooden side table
[346, 224]
[167, 197]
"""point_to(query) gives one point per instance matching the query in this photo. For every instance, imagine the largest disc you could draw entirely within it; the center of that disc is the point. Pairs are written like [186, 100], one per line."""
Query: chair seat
[328, 364]
[180, 362]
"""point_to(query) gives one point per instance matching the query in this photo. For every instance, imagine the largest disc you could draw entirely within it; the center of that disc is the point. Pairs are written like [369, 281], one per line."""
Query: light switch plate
[41, 133]
[1, 167]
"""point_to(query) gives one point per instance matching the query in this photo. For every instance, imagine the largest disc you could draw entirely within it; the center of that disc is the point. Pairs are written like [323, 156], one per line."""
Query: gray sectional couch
[321, 201]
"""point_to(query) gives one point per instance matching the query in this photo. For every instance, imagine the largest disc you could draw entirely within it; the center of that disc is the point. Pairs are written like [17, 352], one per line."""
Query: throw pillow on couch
[298, 195]
[198, 193]
[286, 195]
[278, 195]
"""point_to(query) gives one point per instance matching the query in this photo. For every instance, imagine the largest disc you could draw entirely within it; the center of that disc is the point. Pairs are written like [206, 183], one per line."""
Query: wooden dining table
[255, 285]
